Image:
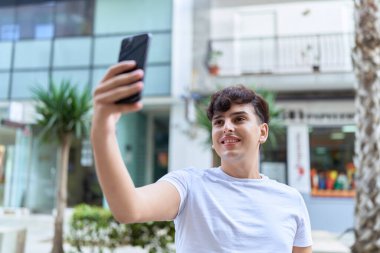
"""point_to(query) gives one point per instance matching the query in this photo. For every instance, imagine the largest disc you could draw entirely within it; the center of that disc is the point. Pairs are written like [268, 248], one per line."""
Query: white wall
[186, 150]
[290, 18]
[297, 48]
[182, 37]
[323, 17]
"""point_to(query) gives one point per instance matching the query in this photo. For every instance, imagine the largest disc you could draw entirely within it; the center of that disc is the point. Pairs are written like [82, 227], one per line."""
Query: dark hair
[222, 100]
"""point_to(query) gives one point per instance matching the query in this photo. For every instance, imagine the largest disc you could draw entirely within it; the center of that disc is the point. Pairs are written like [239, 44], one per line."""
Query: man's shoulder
[291, 191]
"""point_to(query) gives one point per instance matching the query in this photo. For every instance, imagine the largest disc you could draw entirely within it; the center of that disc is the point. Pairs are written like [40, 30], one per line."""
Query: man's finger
[120, 80]
[118, 68]
[111, 96]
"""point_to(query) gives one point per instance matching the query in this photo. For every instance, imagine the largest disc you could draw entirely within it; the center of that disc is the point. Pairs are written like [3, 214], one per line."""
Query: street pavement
[40, 233]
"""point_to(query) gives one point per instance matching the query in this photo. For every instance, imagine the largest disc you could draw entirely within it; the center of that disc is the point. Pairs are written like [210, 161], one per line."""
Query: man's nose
[228, 127]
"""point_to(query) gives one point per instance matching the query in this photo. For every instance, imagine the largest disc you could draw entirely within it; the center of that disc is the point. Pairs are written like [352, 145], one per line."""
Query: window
[46, 19]
[74, 18]
[273, 156]
[331, 155]
[35, 20]
[8, 28]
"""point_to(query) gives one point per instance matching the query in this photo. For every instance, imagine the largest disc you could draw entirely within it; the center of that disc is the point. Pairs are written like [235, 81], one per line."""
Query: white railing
[285, 54]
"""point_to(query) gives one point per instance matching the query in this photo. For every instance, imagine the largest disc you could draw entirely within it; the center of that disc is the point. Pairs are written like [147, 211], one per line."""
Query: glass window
[274, 149]
[273, 155]
[46, 19]
[331, 155]
[7, 2]
[6, 156]
[157, 81]
[4, 86]
[74, 18]
[131, 16]
[161, 146]
[69, 52]
[8, 28]
[79, 78]
[36, 20]
[6, 55]
[23, 82]
[32, 54]
[107, 50]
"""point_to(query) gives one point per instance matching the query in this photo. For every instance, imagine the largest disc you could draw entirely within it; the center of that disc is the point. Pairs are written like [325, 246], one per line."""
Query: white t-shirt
[219, 213]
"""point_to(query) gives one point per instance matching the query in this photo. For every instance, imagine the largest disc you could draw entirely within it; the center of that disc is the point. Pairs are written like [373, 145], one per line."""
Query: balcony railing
[283, 55]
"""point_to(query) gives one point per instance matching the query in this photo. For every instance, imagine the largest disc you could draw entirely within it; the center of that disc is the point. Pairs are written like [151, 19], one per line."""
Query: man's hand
[113, 87]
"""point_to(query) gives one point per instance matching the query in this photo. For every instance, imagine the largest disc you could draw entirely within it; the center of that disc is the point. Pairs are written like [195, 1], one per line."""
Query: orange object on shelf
[333, 193]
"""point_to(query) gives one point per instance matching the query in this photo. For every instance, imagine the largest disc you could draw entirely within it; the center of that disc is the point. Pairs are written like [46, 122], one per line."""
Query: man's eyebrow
[232, 114]
[217, 117]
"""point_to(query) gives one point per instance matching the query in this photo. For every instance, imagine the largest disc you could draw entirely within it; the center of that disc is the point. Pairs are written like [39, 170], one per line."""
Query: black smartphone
[134, 48]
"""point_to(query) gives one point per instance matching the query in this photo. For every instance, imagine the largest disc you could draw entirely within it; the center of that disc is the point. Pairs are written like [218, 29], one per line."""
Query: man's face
[238, 133]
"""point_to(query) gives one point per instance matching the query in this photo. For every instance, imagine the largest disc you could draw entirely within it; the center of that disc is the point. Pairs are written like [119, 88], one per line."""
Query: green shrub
[96, 228]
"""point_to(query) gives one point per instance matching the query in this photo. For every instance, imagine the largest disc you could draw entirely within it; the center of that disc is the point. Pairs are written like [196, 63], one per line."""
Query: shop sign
[298, 157]
[302, 116]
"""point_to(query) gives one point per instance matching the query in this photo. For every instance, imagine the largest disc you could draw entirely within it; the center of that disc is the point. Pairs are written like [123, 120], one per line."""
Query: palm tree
[62, 114]
[203, 122]
[367, 147]
[275, 126]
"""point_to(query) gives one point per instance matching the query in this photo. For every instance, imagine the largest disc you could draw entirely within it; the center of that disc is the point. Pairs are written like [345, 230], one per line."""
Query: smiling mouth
[230, 141]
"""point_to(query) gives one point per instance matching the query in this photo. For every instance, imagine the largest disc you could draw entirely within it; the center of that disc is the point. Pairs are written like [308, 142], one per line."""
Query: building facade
[298, 49]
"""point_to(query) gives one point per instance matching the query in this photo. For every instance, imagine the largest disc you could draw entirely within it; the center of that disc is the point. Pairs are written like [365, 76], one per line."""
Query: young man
[232, 208]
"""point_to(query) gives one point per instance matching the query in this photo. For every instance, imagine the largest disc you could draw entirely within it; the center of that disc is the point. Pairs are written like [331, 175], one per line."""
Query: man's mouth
[229, 140]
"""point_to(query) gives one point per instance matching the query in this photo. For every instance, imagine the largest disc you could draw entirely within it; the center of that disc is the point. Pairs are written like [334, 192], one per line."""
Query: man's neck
[238, 170]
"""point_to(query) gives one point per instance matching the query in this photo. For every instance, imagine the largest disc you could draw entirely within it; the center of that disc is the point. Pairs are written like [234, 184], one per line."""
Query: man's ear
[264, 131]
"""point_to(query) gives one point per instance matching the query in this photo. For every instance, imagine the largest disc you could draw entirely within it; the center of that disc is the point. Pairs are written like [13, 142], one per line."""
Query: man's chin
[230, 156]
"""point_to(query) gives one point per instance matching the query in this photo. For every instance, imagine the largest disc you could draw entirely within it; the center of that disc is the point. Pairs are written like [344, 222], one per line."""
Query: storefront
[317, 156]
[332, 171]
[28, 166]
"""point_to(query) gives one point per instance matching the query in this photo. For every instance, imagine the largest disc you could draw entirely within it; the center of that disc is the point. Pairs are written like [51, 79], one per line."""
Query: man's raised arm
[158, 201]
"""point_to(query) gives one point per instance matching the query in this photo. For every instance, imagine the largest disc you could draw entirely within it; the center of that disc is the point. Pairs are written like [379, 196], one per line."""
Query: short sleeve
[303, 235]
[181, 179]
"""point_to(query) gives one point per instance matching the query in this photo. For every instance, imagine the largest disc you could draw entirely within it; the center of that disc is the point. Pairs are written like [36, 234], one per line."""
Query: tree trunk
[61, 194]
[366, 59]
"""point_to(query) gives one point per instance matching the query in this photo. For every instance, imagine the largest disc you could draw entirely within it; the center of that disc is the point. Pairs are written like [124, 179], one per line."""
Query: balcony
[307, 61]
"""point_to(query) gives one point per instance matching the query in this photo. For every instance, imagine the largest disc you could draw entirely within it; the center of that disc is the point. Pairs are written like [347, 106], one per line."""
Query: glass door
[17, 160]
[7, 144]
[161, 146]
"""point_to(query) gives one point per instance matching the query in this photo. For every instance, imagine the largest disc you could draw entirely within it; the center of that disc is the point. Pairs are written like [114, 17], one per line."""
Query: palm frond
[276, 126]
[62, 109]
[202, 119]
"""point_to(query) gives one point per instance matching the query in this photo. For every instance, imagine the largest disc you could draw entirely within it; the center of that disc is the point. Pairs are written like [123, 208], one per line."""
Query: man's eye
[218, 122]
[239, 119]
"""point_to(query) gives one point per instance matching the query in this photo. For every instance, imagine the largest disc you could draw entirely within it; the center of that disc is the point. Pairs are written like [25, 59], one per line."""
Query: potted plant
[213, 62]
